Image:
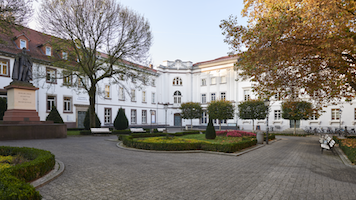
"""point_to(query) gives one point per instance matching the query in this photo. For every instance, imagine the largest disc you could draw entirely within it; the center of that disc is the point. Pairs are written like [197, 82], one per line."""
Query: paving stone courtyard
[291, 168]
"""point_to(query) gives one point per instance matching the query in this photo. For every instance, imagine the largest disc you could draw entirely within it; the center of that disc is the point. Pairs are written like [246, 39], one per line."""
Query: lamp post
[340, 111]
[266, 102]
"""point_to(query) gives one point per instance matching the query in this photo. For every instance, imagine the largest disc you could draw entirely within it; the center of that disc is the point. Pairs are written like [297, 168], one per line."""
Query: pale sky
[186, 30]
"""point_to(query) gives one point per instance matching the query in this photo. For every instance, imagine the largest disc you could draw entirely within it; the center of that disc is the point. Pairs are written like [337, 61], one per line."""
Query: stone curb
[343, 157]
[239, 153]
[58, 170]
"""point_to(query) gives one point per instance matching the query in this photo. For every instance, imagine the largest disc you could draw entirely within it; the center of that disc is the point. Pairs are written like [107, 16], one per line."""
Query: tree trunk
[253, 125]
[219, 124]
[191, 123]
[295, 126]
[92, 93]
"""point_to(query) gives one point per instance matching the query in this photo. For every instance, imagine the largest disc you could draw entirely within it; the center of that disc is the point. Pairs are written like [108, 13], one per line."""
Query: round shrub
[87, 121]
[121, 122]
[54, 116]
[210, 131]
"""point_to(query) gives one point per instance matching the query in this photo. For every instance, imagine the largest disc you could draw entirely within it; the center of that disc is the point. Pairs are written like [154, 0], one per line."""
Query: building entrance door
[177, 120]
[81, 116]
[291, 124]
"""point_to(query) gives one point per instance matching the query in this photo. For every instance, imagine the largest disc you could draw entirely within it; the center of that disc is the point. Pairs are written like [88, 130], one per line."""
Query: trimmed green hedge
[126, 131]
[86, 132]
[351, 136]
[227, 148]
[271, 136]
[13, 179]
[13, 188]
[349, 152]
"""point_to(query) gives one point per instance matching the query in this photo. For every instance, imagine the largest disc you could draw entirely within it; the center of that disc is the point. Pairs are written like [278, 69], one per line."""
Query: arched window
[177, 97]
[177, 81]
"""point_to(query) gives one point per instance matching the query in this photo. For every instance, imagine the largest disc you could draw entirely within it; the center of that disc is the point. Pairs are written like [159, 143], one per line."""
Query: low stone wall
[32, 131]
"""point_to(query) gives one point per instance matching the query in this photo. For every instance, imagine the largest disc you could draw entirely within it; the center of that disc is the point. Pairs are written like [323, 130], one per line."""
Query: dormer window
[48, 51]
[23, 44]
[64, 56]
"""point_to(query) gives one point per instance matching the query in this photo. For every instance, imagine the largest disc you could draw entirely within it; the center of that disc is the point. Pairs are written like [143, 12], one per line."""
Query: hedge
[86, 132]
[296, 135]
[126, 131]
[227, 148]
[350, 152]
[13, 179]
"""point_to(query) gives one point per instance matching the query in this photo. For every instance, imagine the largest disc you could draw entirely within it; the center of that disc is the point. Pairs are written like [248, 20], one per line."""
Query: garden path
[292, 168]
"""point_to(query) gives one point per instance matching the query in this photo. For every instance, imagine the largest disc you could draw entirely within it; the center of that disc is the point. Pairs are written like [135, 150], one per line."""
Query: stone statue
[22, 70]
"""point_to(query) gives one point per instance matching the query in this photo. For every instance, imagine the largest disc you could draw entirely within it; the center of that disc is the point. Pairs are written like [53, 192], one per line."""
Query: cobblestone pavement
[292, 168]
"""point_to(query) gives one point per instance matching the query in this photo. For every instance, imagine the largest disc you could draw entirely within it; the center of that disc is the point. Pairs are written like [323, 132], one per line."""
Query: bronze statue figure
[22, 70]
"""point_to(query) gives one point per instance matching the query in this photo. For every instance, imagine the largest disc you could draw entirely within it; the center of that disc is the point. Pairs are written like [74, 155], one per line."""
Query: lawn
[73, 133]
[217, 140]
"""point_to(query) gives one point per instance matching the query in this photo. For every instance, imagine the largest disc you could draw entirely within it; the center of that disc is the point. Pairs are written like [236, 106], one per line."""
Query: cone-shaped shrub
[54, 116]
[121, 122]
[3, 107]
[210, 131]
[87, 121]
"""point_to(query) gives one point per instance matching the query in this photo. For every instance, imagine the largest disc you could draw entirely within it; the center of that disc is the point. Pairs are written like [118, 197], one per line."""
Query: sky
[186, 29]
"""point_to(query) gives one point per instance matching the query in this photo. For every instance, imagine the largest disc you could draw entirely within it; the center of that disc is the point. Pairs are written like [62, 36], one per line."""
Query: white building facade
[157, 102]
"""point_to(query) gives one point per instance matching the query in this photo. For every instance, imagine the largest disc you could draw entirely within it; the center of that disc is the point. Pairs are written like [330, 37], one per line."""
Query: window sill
[277, 122]
[133, 101]
[5, 75]
[336, 122]
[144, 102]
[154, 103]
[51, 82]
[314, 122]
[121, 99]
[68, 112]
[107, 98]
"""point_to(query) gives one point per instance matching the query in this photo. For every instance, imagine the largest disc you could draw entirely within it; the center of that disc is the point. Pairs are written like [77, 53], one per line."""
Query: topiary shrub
[54, 116]
[121, 122]
[87, 121]
[3, 107]
[210, 131]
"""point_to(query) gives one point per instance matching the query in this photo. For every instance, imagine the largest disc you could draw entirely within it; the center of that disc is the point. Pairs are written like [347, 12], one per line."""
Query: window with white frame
[314, 116]
[64, 55]
[4, 67]
[133, 95]
[246, 95]
[223, 121]
[177, 97]
[335, 114]
[213, 96]
[204, 117]
[107, 115]
[144, 96]
[153, 116]
[51, 75]
[67, 78]
[177, 81]
[276, 97]
[51, 101]
[203, 82]
[153, 83]
[67, 104]
[277, 114]
[213, 81]
[223, 95]
[223, 79]
[48, 51]
[203, 98]
[121, 93]
[23, 44]
[144, 116]
[107, 91]
[133, 116]
[153, 97]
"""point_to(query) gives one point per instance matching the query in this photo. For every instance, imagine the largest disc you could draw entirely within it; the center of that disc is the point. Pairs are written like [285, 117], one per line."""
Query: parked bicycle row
[330, 130]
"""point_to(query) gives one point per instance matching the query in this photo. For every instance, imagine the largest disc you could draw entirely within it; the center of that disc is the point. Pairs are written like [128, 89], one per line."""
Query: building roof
[215, 60]
[36, 40]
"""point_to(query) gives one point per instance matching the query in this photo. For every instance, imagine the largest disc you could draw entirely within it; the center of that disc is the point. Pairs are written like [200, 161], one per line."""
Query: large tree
[252, 109]
[297, 110]
[99, 35]
[221, 110]
[191, 110]
[14, 12]
[292, 47]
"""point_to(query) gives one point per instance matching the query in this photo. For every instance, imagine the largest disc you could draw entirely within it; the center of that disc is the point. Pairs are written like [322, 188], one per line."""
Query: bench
[161, 129]
[137, 130]
[100, 130]
[327, 143]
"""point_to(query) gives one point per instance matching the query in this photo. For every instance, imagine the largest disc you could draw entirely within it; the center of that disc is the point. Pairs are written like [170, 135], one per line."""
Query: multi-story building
[155, 102]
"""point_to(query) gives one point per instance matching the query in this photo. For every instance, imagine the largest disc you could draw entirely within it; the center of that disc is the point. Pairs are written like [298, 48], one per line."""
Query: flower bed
[180, 144]
[13, 179]
[348, 146]
[235, 133]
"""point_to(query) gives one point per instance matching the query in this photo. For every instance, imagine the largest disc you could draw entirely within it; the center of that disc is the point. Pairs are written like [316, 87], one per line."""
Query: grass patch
[217, 140]
[349, 148]
[73, 133]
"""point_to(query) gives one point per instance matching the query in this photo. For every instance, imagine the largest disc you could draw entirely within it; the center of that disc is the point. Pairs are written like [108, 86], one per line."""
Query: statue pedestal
[21, 103]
